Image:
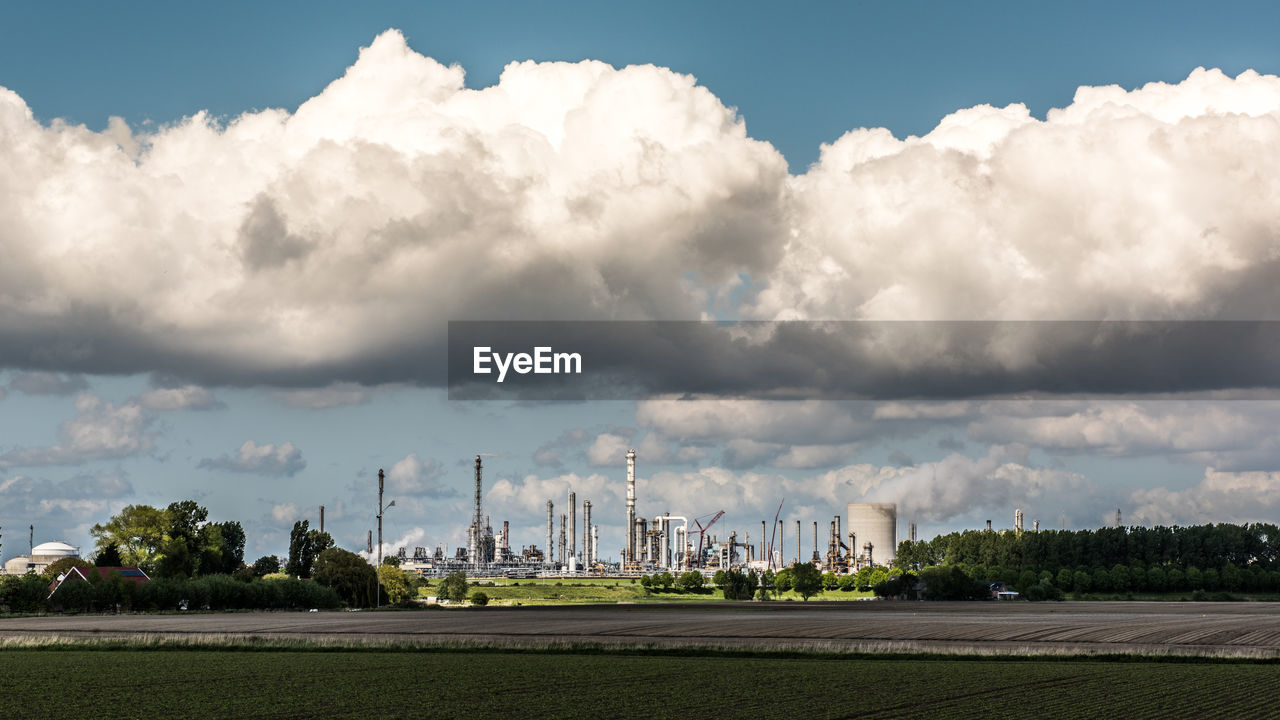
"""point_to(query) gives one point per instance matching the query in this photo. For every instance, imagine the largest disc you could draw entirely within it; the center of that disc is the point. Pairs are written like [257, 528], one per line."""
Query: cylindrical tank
[876, 523]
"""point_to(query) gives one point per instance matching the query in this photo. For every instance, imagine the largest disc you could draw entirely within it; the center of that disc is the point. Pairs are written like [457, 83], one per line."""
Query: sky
[232, 237]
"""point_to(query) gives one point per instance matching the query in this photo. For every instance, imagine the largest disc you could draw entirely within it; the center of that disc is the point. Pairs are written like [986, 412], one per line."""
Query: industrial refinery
[666, 542]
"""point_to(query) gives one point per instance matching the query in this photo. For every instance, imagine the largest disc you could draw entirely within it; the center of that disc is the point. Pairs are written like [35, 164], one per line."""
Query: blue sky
[797, 79]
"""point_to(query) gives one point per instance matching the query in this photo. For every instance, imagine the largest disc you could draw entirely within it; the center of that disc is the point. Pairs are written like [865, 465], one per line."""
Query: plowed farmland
[1249, 630]
[404, 684]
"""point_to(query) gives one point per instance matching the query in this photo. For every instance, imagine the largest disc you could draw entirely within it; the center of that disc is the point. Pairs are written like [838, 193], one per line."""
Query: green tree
[348, 574]
[1026, 579]
[305, 545]
[782, 581]
[1081, 581]
[691, 581]
[184, 541]
[61, 566]
[230, 555]
[896, 586]
[806, 580]
[739, 585]
[951, 582]
[1065, 579]
[395, 583]
[1101, 580]
[108, 556]
[139, 534]
[720, 579]
[266, 565]
[479, 599]
[454, 587]
[1121, 580]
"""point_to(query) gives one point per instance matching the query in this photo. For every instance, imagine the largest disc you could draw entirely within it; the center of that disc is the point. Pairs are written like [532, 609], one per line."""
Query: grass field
[191, 683]
[551, 591]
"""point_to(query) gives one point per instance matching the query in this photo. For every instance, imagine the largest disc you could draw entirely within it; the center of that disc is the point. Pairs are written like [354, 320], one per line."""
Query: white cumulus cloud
[266, 459]
[100, 430]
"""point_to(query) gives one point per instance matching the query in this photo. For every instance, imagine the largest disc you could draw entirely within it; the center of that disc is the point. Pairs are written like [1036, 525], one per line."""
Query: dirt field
[1211, 629]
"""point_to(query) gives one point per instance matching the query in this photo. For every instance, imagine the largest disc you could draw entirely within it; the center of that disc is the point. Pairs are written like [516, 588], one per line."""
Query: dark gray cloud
[48, 383]
[869, 360]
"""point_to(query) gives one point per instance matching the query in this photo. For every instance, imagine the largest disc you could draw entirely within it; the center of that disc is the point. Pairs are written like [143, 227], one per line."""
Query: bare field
[1207, 629]
[376, 684]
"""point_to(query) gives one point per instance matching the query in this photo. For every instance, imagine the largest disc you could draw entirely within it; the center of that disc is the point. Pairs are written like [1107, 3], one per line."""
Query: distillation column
[563, 518]
[549, 555]
[631, 507]
[588, 547]
[474, 538]
[573, 532]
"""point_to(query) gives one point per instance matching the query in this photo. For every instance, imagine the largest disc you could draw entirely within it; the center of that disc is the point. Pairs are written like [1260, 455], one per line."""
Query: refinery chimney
[474, 550]
[798, 541]
[631, 506]
[588, 546]
[321, 518]
[563, 560]
[573, 528]
[550, 558]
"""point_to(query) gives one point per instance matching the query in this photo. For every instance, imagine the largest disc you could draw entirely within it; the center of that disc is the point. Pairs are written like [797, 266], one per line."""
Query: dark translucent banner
[599, 360]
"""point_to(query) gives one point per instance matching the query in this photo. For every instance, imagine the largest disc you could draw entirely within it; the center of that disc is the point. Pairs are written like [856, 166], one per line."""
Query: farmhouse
[131, 574]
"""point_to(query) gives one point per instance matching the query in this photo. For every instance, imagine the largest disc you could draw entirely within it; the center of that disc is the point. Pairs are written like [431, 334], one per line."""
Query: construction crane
[702, 532]
[774, 532]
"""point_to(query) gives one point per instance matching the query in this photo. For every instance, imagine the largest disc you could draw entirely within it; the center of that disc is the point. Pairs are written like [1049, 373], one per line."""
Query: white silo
[876, 523]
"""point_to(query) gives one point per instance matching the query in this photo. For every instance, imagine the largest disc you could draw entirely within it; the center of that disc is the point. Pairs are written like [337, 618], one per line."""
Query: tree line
[195, 564]
[1209, 558]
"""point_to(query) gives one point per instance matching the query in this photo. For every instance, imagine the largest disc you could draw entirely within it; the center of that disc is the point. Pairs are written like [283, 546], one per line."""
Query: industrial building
[662, 543]
[40, 557]
[875, 526]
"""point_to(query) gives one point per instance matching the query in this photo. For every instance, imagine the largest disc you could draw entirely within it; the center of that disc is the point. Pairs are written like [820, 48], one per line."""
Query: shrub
[479, 599]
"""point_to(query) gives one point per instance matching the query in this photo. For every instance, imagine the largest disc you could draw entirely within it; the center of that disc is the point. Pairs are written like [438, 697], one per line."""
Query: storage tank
[876, 523]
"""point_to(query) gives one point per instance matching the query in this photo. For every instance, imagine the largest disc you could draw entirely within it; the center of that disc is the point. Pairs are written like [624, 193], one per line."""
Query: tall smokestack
[573, 526]
[549, 556]
[988, 526]
[588, 543]
[474, 549]
[816, 557]
[631, 506]
[797, 541]
[595, 542]
[1035, 526]
[321, 518]
[563, 560]
[506, 537]
[838, 538]
[763, 548]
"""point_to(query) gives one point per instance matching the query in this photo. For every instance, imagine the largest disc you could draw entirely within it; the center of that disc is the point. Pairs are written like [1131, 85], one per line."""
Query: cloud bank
[330, 244]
